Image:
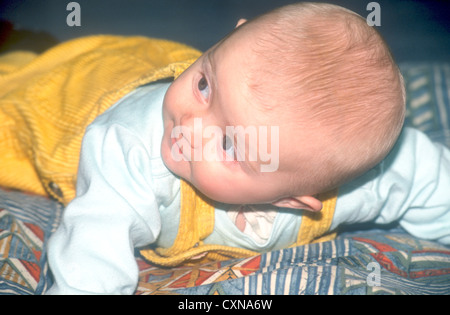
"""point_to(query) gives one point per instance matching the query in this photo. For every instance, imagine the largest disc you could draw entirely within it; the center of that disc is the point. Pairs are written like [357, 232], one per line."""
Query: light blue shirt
[127, 198]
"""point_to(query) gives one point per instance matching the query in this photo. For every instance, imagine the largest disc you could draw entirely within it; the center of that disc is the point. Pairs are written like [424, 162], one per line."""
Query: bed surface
[375, 261]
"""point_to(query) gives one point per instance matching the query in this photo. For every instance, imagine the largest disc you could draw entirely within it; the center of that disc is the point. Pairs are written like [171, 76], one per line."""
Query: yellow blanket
[47, 101]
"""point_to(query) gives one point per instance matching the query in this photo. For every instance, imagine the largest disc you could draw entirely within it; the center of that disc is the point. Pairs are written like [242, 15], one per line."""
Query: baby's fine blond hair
[330, 71]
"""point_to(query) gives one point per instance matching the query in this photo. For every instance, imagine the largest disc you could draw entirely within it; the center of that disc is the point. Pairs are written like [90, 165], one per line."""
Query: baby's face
[216, 138]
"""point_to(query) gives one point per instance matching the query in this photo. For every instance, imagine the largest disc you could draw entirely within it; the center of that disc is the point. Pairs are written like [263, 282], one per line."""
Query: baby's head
[318, 96]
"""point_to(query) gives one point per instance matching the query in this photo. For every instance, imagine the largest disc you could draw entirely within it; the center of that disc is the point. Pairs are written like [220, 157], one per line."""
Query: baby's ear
[240, 22]
[308, 203]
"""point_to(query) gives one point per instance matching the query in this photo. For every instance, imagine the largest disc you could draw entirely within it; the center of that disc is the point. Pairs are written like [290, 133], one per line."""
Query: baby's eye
[228, 147]
[203, 87]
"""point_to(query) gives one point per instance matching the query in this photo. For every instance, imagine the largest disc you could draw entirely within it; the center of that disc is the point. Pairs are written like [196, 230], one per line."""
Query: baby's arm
[428, 212]
[412, 186]
[115, 210]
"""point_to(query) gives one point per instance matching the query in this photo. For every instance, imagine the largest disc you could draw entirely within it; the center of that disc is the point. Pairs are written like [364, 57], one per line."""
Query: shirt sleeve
[411, 186]
[115, 210]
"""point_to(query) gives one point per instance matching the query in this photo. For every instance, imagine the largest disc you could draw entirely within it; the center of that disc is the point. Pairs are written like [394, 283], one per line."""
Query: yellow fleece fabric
[48, 100]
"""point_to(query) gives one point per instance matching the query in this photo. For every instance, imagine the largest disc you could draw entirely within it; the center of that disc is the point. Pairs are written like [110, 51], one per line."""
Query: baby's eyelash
[203, 87]
[202, 83]
[226, 143]
[228, 147]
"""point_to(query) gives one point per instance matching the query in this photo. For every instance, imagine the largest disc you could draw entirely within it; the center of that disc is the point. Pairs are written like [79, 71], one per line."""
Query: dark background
[415, 30]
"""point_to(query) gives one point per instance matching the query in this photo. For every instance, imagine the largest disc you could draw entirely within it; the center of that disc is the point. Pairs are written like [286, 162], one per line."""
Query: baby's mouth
[182, 144]
[175, 142]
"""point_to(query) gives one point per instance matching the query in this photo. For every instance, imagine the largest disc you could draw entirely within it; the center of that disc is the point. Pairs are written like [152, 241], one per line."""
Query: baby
[220, 185]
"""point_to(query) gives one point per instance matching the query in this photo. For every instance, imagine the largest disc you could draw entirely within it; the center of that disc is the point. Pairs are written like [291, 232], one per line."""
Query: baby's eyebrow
[209, 58]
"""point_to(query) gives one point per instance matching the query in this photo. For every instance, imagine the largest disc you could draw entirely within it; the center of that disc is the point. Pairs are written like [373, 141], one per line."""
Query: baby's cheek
[209, 184]
[217, 188]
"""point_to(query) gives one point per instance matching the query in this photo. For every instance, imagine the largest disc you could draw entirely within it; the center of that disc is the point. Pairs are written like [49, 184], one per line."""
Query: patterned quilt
[373, 260]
